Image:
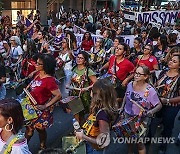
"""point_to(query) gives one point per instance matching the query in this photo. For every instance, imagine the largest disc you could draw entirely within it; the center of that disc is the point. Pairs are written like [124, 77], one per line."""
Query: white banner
[128, 39]
[161, 17]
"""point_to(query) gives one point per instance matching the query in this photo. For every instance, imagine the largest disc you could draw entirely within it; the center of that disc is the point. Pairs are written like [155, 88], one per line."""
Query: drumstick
[73, 88]
[137, 105]
[30, 97]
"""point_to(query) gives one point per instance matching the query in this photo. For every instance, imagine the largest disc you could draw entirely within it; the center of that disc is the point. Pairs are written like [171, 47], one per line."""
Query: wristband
[168, 101]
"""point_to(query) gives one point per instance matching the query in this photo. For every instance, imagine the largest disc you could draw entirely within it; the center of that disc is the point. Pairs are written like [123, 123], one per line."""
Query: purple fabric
[102, 115]
[150, 101]
[28, 23]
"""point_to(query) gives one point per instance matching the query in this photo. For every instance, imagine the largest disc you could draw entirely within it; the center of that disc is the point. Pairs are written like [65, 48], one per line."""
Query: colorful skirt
[44, 120]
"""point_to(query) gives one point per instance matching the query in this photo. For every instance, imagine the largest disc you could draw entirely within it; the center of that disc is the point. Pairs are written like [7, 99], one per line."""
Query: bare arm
[106, 66]
[57, 96]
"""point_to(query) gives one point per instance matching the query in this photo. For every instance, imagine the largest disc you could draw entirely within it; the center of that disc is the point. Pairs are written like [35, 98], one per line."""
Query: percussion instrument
[20, 86]
[74, 103]
[59, 73]
[28, 103]
[127, 128]
[72, 145]
[29, 111]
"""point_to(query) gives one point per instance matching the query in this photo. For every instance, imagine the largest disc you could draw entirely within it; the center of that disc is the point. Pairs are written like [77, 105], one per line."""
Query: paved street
[63, 126]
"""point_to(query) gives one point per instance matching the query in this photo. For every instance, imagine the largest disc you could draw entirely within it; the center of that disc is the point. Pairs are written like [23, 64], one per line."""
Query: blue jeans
[2, 92]
[90, 150]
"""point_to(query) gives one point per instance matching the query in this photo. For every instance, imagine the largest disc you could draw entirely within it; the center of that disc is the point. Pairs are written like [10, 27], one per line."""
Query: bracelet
[168, 101]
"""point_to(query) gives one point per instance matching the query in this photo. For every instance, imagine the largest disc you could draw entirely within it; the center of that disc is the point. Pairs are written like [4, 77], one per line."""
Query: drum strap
[7, 148]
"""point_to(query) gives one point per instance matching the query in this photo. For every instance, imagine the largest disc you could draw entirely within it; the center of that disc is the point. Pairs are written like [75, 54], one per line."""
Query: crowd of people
[107, 75]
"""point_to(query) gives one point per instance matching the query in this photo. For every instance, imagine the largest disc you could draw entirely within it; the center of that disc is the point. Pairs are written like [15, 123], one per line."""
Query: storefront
[12, 6]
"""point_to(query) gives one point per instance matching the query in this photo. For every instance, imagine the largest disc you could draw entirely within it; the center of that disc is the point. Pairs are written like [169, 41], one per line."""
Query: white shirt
[16, 52]
[20, 148]
[65, 57]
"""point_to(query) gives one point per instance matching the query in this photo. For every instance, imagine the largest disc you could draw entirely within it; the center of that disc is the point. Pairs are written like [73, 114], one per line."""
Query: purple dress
[148, 99]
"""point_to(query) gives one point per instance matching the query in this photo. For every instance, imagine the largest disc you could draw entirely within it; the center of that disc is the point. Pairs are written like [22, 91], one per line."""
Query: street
[63, 126]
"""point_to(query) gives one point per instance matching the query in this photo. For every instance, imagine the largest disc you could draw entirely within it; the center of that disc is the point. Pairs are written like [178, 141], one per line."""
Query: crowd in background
[147, 73]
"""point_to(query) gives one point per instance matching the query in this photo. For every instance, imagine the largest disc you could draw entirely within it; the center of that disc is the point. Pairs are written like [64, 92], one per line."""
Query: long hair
[104, 97]
[90, 37]
[163, 40]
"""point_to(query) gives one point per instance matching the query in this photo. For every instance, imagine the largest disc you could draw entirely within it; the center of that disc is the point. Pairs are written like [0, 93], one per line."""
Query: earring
[8, 130]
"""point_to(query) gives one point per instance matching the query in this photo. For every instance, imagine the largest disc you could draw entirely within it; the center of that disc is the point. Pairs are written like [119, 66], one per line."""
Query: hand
[84, 89]
[120, 110]
[36, 21]
[124, 83]
[149, 113]
[41, 107]
[163, 100]
[80, 134]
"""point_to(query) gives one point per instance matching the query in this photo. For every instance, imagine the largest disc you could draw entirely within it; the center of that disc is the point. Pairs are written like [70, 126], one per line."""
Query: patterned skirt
[44, 120]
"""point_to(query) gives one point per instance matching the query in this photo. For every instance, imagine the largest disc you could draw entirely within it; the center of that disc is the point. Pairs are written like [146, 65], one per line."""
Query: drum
[127, 128]
[20, 86]
[59, 73]
[74, 103]
[29, 111]
[72, 145]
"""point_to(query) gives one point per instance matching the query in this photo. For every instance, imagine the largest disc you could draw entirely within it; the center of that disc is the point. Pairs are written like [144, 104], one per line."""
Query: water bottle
[76, 125]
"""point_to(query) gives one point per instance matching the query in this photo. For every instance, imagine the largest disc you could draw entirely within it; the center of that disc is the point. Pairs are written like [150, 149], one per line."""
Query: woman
[160, 50]
[10, 128]
[144, 94]
[4, 47]
[97, 54]
[43, 46]
[120, 68]
[73, 41]
[145, 39]
[52, 29]
[83, 78]
[168, 88]
[112, 50]
[58, 40]
[147, 59]
[101, 115]
[87, 42]
[174, 50]
[107, 42]
[136, 50]
[172, 37]
[16, 51]
[66, 56]
[36, 29]
[45, 91]
[29, 61]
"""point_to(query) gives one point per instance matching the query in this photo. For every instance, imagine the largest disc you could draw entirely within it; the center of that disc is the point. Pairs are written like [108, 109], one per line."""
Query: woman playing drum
[141, 93]
[97, 126]
[45, 91]
[83, 78]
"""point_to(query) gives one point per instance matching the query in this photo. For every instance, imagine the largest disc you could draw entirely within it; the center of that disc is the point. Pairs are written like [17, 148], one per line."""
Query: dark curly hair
[12, 108]
[49, 63]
